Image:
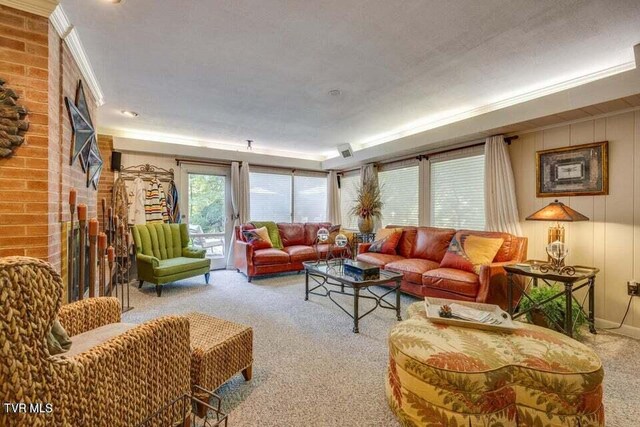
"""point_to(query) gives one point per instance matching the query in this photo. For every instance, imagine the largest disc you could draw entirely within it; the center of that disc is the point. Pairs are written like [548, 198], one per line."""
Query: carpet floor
[311, 370]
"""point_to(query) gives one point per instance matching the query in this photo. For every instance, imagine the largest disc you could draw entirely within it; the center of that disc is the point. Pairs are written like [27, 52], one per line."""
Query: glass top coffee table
[328, 278]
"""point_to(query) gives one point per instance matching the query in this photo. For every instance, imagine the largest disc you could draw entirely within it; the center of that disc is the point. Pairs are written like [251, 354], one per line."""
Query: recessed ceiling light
[129, 113]
[335, 92]
[115, 1]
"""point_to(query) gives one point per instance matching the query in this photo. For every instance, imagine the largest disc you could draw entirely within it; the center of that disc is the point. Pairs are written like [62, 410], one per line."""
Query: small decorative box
[361, 271]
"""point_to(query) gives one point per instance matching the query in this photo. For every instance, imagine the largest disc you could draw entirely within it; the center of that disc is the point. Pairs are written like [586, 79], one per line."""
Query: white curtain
[333, 199]
[245, 187]
[239, 202]
[500, 205]
[368, 171]
[424, 196]
[235, 208]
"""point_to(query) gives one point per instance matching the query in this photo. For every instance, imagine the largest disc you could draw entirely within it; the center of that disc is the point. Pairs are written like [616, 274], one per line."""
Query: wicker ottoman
[446, 375]
[219, 350]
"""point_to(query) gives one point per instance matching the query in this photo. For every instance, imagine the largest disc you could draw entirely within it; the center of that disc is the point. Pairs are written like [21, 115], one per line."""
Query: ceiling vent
[345, 151]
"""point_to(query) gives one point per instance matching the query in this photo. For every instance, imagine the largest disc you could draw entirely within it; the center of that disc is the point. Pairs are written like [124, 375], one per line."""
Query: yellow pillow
[469, 252]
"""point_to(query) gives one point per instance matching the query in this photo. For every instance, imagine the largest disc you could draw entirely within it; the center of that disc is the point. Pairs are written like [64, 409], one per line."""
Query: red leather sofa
[418, 257]
[297, 239]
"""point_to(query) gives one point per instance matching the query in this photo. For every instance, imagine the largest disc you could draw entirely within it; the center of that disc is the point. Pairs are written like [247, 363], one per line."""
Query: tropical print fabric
[442, 375]
[469, 252]
[386, 241]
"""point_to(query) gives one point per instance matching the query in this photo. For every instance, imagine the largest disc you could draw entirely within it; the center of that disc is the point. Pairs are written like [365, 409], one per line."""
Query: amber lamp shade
[559, 212]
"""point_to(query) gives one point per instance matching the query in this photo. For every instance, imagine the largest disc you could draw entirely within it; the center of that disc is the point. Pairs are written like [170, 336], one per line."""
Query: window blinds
[399, 188]
[309, 198]
[457, 193]
[270, 197]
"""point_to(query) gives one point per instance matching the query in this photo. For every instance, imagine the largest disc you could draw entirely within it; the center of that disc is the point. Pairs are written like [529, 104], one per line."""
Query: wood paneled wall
[611, 239]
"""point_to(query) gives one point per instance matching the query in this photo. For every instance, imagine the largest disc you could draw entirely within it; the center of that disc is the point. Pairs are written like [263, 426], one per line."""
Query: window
[286, 197]
[399, 195]
[457, 193]
[348, 186]
[309, 198]
[270, 197]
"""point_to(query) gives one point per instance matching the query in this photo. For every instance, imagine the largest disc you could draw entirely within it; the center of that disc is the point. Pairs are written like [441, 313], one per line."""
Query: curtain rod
[507, 140]
[228, 163]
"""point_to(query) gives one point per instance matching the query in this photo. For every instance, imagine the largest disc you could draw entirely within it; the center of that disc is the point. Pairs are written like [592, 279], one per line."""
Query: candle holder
[93, 243]
[82, 232]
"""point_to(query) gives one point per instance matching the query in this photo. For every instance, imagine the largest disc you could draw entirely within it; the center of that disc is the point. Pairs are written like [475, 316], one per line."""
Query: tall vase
[365, 224]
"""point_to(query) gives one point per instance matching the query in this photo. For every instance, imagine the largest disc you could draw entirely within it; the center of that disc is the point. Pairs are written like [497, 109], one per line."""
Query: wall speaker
[345, 150]
[116, 160]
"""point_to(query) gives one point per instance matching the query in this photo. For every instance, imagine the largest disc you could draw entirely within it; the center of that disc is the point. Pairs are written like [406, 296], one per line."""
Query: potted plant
[368, 205]
[551, 314]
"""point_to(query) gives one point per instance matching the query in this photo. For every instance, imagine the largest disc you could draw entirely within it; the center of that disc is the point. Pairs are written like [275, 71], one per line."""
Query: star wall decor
[83, 133]
[84, 143]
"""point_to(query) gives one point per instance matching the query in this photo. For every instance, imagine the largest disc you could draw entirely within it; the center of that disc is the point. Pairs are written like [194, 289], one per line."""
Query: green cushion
[171, 266]
[163, 241]
[58, 340]
[272, 229]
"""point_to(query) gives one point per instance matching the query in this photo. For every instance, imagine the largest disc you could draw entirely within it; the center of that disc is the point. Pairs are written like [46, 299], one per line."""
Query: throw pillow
[258, 238]
[58, 340]
[334, 230]
[387, 240]
[469, 252]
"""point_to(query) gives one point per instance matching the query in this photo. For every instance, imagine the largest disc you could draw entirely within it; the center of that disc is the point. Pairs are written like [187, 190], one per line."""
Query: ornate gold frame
[605, 170]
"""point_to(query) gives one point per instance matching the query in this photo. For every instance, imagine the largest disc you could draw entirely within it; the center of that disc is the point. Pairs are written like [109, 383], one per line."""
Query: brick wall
[24, 186]
[35, 182]
[105, 143]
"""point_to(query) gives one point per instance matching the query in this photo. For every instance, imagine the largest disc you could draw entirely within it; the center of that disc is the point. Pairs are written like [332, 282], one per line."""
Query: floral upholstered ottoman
[442, 375]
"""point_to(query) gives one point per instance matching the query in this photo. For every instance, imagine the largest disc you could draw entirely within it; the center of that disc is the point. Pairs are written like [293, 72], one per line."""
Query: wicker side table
[219, 350]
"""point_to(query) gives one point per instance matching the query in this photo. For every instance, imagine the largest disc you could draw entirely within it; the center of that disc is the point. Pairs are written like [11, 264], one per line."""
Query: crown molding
[70, 36]
[37, 7]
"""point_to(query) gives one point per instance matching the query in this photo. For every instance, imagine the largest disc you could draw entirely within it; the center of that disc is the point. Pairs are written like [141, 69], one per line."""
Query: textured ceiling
[226, 71]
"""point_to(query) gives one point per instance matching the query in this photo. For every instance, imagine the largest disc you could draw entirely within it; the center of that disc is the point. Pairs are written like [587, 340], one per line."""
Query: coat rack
[146, 172]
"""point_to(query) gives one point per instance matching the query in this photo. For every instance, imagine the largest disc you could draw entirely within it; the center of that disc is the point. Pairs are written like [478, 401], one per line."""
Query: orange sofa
[297, 239]
[418, 257]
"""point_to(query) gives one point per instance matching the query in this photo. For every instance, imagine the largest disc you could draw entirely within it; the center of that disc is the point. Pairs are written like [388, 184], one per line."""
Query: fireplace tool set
[103, 259]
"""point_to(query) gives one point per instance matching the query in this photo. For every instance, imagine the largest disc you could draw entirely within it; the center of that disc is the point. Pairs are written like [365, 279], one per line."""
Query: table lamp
[558, 212]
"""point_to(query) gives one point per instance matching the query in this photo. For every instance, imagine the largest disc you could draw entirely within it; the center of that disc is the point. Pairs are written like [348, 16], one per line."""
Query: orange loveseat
[297, 239]
[418, 256]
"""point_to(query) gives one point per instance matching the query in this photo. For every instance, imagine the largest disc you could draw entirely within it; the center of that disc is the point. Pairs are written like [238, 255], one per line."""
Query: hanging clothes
[137, 207]
[152, 206]
[121, 200]
[173, 208]
[163, 203]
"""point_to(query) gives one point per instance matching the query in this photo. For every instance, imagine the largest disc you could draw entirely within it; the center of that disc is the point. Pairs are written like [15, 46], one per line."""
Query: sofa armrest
[242, 256]
[148, 259]
[90, 313]
[193, 252]
[150, 364]
[363, 248]
[493, 285]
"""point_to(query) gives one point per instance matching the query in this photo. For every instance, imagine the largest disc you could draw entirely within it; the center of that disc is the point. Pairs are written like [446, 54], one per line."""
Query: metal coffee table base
[380, 301]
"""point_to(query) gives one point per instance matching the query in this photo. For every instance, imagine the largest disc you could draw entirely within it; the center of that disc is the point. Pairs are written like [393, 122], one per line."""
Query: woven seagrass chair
[119, 382]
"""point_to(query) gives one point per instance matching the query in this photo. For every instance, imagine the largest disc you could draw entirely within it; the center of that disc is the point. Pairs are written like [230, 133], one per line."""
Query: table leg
[306, 285]
[510, 292]
[592, 309]
[568, 312]
[398, 315]
[356, 297]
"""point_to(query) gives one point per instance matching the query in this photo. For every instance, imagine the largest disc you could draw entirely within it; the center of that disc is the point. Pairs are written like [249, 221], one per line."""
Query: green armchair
[163, 255]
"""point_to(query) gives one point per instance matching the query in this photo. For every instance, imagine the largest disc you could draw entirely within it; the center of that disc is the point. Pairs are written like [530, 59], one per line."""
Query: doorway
[208, 210]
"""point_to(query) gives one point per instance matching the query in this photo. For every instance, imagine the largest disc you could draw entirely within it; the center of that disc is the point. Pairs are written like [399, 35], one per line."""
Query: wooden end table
[584, 276]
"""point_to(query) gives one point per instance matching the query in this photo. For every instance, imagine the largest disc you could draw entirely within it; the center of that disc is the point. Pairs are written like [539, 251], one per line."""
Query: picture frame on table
[579, 170]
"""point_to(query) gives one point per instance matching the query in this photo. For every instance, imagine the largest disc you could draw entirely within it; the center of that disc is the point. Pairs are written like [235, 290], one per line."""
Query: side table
[584, 276]
[358, 238]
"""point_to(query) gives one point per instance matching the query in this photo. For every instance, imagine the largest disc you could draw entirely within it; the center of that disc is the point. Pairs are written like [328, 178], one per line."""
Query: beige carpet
[311, 370]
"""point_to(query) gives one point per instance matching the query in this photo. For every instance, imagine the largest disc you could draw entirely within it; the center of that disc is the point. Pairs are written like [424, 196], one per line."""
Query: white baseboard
[630, 331]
